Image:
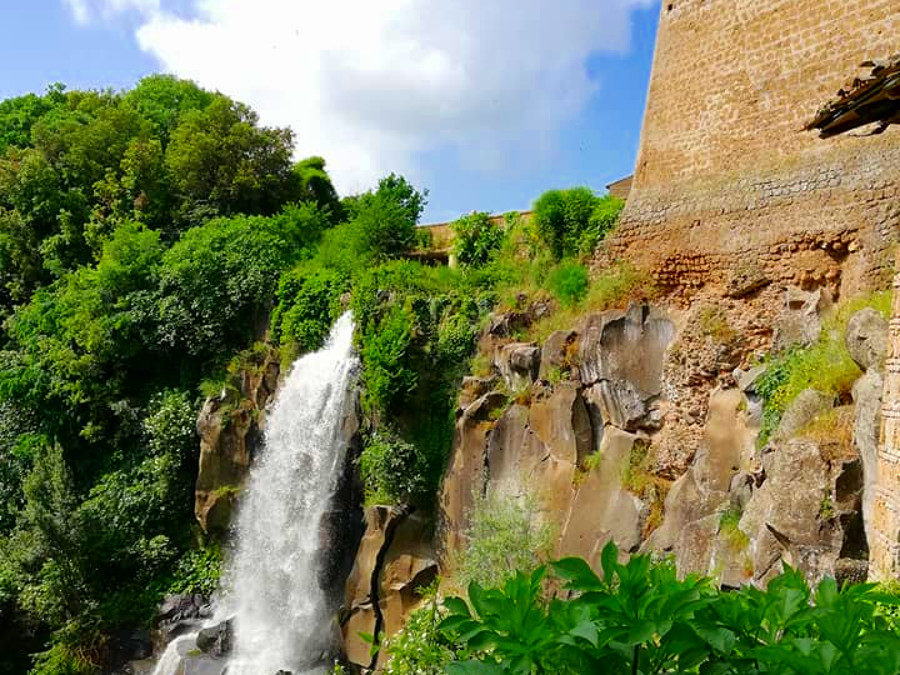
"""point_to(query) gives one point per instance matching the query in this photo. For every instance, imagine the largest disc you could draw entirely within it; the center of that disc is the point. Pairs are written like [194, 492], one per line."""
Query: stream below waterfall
[282, 620]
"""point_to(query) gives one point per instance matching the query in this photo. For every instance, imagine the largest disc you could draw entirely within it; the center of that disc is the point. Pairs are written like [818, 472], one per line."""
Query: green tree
[389, 215]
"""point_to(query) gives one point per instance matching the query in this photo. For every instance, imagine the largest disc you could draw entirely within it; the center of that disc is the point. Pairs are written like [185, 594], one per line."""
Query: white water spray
[281, 615]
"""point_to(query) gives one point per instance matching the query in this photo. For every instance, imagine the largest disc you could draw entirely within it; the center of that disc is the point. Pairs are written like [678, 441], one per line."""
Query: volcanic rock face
[229, 432]
[395, 562]
[641, 427]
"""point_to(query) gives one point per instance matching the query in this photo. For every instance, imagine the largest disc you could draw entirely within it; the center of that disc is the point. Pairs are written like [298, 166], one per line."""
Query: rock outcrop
[229, 426]
[395, 562]
[593, 400]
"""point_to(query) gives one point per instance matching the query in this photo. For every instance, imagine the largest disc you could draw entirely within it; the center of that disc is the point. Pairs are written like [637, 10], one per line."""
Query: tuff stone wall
[726, 178]
[885, 545]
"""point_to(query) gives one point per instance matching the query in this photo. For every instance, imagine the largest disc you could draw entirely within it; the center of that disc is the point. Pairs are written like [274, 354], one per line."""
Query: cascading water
[281, 615]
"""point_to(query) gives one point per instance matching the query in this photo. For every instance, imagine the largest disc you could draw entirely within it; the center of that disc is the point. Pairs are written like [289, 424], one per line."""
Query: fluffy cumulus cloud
[372, 86]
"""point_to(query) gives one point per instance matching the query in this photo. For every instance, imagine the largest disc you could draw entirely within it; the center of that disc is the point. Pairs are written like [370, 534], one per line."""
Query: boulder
[800, 322]
[627, 346]
[867, 392]
[507, 324]
[472, 388]
[216, 640]
[514, 453]
[517, 364]
[395, 562]
[803, 513]
[557, 351]
[618, 403]
[408, 566]
[602, 509]
[360, 613]
[867, 338]
[727, 444]
[746, 379]
[562, 423]
[466, 465]
[180, 614]
[808, 405]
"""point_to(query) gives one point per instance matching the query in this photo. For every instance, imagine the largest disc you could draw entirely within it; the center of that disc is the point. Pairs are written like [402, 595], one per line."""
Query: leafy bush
[504, 535]
[420, 648]
[641, 618]
[392, 470]
[477, 238]
[198, 571]
[574, 220]
[602, 221]
[568, 282]
[388, 216]
[825, 366]
[308, 302]
[385, 351]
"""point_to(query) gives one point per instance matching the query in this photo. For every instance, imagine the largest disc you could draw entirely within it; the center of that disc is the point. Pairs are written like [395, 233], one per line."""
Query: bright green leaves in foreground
[639, 617]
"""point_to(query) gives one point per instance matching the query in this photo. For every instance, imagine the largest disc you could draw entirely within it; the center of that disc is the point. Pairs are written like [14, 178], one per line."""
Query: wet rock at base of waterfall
[866, 338]
[808, 405]
[517, 364]
[800, 323]
[181, 613]
[129, 651]
[216, 640]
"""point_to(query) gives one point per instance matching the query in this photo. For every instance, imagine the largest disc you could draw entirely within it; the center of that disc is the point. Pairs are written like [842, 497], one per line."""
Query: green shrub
[393, 471]
[825, 366]
[308, 302]
[641, 617]
[420, 648]
[385, 351]
[505, 534]
[477, 238]
[198, 571]
[388, 217]
[574, 220]
[602, 221]
[568, 282]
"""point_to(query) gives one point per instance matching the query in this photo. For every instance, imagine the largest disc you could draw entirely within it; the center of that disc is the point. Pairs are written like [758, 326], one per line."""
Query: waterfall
[281, 615]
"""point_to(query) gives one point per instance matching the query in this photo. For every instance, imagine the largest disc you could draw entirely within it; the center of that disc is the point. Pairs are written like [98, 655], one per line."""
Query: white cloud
[371, 85]
[85, 11]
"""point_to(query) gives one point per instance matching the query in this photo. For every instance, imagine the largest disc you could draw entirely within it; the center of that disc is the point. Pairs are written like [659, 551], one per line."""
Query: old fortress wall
[725, 176]
[727, 184]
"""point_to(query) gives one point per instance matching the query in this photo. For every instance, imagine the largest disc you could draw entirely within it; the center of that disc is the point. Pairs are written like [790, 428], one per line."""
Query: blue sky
[486, 104]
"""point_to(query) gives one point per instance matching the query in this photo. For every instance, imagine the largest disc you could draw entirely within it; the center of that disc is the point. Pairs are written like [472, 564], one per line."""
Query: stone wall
[885, 535]
[725, 176]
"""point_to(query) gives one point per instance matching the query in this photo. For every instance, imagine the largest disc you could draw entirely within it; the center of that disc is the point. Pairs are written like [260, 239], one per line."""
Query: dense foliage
[477, 238]
[573, 221]
[142, 238]
[640, 617]
[155, 244]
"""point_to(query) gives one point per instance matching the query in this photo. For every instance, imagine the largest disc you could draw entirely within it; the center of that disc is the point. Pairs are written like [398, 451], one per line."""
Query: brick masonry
[884, 558]
[726, 178]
